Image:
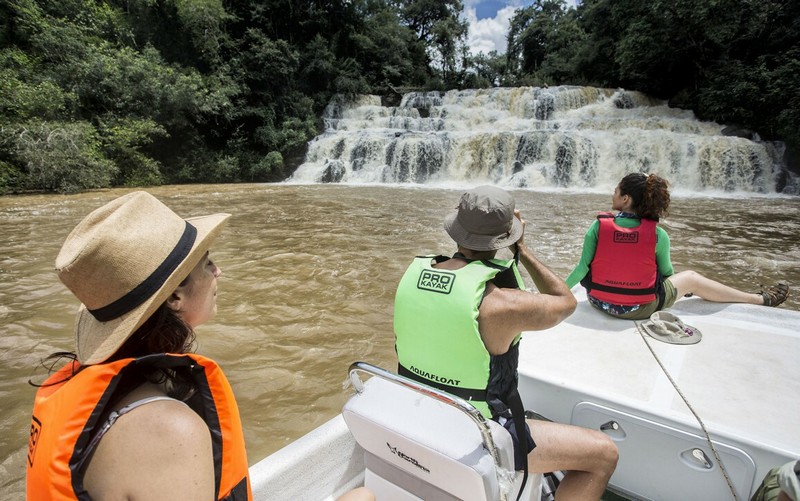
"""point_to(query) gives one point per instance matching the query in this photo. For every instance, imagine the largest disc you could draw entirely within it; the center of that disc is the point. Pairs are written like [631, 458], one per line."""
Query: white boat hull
[320, 465]
[741, 380]
[598, 372]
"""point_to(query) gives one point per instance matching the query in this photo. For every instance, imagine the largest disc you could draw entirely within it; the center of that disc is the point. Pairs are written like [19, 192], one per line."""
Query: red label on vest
[36, 430]
[621, 237]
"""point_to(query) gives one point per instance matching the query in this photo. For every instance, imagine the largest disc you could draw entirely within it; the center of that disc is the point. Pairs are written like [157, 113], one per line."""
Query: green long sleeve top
[590, 246]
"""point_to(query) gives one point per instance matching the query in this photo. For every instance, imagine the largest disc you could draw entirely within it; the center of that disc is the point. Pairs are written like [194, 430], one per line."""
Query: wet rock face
[624, 101]
[791, 159]
[738, 131]
[562, 137]
[333, 172]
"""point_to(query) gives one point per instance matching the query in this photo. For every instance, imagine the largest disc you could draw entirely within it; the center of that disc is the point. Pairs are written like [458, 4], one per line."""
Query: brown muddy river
[309, 273]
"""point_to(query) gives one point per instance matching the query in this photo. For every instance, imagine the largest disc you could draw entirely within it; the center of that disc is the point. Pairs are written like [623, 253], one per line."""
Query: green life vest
[436, 327]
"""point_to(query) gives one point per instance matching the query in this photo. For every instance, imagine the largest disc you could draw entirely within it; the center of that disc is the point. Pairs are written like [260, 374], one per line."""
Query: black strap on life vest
[621, 290]
[505, 278]
[514, 402]
[465, 393]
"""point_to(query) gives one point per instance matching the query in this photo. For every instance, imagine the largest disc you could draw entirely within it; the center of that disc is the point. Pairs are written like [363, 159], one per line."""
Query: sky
[488, 22]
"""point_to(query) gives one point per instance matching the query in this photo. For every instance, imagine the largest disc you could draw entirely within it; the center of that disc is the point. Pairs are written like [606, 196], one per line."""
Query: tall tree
[726, 59]
[438, 25]
[543, 43]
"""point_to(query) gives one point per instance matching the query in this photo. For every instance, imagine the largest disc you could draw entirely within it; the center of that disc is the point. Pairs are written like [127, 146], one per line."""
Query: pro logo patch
[436, 281]
[621, 237]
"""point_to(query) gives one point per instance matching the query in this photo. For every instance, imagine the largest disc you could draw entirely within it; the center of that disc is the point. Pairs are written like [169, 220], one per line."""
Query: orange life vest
[67, 413]
[624, 270]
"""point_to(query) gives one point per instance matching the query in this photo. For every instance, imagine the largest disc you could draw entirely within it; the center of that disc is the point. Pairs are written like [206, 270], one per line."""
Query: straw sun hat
[484, 220]
[123, 261]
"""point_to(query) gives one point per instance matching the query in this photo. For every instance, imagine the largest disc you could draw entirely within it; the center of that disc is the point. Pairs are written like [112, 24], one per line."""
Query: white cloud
[488, 34]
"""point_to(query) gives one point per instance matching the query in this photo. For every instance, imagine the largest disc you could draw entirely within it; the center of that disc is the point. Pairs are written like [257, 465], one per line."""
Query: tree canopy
[97, 93]
[138, 92]
[731, 61]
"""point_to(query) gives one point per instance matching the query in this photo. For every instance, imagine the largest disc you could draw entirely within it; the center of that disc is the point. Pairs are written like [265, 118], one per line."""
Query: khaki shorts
[644, 311]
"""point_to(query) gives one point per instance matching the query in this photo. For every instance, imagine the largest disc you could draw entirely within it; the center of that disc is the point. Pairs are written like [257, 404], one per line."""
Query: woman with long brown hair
[625, 263]
[133, 414]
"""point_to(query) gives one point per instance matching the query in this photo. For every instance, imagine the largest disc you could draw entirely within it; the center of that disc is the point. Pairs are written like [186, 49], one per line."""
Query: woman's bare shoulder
[163, 441]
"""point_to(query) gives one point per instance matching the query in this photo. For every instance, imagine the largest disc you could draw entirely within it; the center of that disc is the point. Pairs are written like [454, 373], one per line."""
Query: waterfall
[531, 137]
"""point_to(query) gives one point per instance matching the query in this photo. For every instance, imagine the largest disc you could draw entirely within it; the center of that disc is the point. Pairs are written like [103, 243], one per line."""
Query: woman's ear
[175, 300]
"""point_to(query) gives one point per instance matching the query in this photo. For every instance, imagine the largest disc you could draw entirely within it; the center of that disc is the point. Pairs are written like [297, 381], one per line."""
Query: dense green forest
[97, 93]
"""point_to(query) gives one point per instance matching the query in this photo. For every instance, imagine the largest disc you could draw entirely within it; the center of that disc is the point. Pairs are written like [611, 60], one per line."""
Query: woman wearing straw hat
[134, 415]
[625, 263]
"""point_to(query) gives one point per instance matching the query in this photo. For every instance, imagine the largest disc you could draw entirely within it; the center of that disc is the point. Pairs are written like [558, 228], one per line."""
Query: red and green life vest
[624, 270]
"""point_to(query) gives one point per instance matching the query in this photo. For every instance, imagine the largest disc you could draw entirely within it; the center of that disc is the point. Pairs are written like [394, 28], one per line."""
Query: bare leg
[691, 281]
[588, 456]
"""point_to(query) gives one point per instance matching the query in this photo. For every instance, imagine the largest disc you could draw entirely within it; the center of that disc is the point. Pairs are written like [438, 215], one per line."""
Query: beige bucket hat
[667, 327]
[123, 261]
[484, 220]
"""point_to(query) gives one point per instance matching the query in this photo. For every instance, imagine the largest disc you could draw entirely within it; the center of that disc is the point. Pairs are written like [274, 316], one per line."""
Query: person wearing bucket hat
[625, 263]
[457, 325]
[134, 414]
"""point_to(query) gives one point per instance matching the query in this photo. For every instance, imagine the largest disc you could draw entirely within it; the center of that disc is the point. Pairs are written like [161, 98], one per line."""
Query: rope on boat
[686, 401]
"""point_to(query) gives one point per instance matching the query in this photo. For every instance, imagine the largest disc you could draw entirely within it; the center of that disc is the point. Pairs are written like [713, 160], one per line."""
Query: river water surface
[309, 273]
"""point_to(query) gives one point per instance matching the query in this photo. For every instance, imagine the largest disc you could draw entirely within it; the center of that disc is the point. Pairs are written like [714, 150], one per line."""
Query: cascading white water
[567, 137]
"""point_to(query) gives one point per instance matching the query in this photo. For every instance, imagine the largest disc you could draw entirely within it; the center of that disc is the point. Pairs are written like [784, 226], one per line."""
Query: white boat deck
[742, 378]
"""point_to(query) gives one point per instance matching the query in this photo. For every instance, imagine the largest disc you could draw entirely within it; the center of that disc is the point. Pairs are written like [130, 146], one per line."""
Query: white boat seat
[417, 447]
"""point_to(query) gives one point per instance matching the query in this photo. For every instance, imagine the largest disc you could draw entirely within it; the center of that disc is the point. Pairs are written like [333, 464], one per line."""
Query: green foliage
[785, 96]
[140, 92]
[224, 169]
[487, 70]
[21, 100]
[266, 167]
[730, 61]
[438, 27]
[204, 20]
[60, 156]
[127, 82]
[348, 81]
[543, 44]
[121, 142]
[319, 67]
[389, 53]
[200, 164]
[10, 178]
[26, 92]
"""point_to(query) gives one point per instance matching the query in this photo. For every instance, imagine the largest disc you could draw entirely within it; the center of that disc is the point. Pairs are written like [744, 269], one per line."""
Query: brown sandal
[775, 294]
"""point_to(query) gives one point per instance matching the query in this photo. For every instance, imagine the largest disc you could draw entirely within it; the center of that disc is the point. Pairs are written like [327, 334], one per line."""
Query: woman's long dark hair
[649, 192]
[163, 332]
